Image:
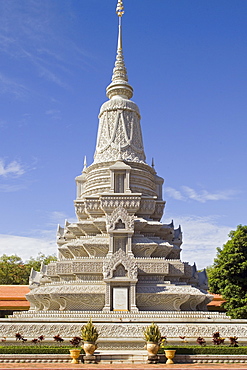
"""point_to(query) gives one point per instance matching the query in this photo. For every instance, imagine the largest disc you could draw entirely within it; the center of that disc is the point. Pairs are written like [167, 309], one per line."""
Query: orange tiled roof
[217, 300]
[13, 292]
[13, 297]
[8, 305]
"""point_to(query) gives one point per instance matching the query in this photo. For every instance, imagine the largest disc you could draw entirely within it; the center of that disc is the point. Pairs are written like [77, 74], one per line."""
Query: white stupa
[119, 264]
[118, 255]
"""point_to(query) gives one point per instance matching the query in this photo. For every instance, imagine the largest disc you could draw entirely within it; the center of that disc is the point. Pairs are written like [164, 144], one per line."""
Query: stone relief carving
[147, 206]
[122, 214]
[80, 207]
[89, 267]
[92, 204]
[120, 258]
[112, 202]
[153, 268]
[119, 104]
[120, 330]
[119, 127]
[168, 302]
[120, 271]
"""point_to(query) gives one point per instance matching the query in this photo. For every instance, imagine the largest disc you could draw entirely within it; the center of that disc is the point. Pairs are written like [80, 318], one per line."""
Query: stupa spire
[119, 85]
[119, 132]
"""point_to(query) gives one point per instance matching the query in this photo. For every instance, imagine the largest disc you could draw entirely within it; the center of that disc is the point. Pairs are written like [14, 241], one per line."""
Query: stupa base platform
[123, 330]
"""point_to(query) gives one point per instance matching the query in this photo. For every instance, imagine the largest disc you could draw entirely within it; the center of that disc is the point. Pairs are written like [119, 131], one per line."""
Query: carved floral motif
[122, 214]
[120, 258]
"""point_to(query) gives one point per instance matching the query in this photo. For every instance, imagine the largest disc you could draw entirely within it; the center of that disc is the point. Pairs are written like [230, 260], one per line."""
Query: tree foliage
[228, 275]
[14, 271]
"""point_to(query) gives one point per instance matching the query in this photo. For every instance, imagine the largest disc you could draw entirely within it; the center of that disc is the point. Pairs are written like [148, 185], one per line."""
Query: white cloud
[8, 85]
[57, 217]
[201, 196]
[7, 188]
[54, 114]
[175, 194]
[13, 168]
[25, 247]
[201, 237]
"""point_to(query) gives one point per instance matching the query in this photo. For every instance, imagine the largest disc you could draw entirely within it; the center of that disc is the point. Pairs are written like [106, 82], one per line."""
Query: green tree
[228, 274]
[14, 271]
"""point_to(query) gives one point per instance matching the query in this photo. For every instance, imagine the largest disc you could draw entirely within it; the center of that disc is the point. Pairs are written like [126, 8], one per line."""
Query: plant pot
[89, 348]
[170, 353]
[75, 354]
[152, 348]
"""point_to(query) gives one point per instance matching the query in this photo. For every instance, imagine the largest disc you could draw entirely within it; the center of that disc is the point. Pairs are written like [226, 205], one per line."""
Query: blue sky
[186, 61]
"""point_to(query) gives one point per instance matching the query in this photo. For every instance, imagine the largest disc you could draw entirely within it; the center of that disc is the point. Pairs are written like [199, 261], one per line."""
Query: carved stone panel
[120, 258]
[120, 299]
[155, 267]
[130, 202]
[120, 217]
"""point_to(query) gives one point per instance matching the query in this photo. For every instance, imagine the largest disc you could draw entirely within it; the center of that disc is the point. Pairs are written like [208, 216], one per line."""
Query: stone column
[111, 244]
[133, 307]
[107, 297]
[129, 245]
[127, 182]
[112, 181]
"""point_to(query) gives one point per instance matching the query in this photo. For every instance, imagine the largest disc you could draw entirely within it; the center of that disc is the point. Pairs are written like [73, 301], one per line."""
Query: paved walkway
[121, 366]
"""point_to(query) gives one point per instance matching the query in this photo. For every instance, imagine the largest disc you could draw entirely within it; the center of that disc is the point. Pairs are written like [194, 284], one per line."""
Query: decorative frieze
[153, 268]
[125, 330]
[130, 202]
[92, 206]
[147, 206]
[87, 267]
[80, 209]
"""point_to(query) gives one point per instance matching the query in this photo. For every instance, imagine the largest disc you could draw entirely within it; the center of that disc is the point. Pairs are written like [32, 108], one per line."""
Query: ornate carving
[120, 258]
[89, 267]
[80, 207]
[122, 214]
[153, 268]
[120, 271]
[176, 269]
[119, 127]
[64, 268]
[108, 203]
[147, 206]
[92, 205]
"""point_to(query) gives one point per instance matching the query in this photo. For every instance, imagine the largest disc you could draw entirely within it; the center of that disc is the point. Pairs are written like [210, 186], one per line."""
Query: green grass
[207, 350]
[64, 349]
[35, 349]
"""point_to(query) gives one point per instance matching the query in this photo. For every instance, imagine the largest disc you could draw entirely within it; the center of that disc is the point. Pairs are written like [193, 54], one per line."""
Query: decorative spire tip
[85, 163]
[120, 8]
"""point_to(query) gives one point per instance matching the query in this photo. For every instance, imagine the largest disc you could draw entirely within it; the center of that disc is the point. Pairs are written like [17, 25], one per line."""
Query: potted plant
[75, 352]
[170, 353]
[89, 335]
[201, 341]
[152, 336]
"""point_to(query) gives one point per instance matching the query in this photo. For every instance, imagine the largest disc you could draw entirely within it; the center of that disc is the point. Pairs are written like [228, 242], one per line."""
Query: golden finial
[120, 8]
